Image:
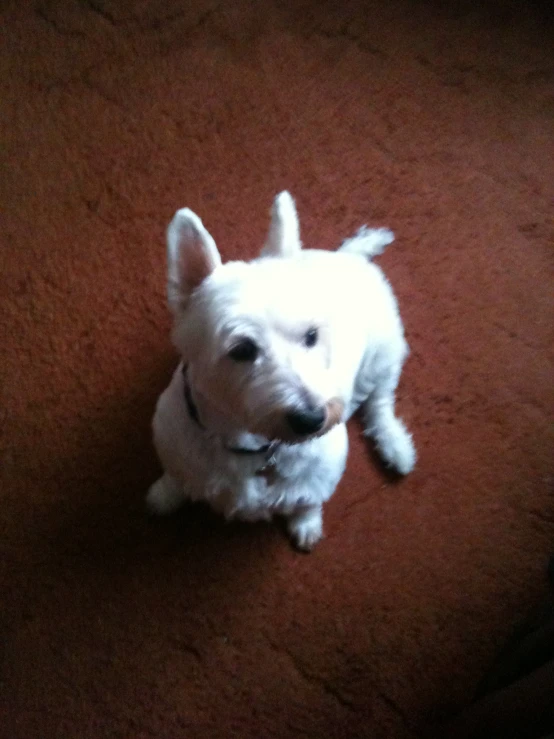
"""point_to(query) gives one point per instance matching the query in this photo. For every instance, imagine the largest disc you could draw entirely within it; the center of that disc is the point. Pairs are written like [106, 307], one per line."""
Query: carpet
[433, 118]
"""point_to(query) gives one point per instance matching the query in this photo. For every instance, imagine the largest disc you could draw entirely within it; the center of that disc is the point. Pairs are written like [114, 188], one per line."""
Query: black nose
[306, 422]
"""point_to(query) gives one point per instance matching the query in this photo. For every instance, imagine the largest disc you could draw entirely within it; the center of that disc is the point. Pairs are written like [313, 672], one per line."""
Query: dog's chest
[261, 490]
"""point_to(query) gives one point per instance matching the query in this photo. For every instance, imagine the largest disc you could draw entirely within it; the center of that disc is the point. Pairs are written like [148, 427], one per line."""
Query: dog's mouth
[295, 428]
[334, 413]
[289, 426]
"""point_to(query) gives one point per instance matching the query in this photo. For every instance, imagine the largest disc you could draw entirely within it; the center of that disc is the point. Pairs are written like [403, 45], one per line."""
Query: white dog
[276, 354]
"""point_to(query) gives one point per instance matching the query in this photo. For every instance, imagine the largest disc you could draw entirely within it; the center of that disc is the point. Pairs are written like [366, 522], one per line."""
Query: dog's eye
[245, 351]
[310, 338]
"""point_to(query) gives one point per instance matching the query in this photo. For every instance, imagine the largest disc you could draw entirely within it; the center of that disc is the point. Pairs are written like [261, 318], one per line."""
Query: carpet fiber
[433, 118]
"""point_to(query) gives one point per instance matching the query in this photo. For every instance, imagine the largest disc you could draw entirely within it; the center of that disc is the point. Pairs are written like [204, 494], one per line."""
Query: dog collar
[267, 449]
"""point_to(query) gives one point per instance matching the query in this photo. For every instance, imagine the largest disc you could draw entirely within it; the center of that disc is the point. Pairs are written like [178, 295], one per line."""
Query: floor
[433, 118]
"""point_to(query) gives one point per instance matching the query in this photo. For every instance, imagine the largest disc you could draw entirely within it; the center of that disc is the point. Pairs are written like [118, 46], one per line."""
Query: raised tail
[368, 242]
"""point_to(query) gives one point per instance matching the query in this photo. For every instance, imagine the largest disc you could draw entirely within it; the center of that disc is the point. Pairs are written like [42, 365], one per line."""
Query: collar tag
[269, 472]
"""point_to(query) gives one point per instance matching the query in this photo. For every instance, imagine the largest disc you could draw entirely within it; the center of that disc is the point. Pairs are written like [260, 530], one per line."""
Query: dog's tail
[368, 242]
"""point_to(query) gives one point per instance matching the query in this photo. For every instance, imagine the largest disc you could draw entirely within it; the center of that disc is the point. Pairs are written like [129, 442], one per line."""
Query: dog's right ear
[191, 256]
[283, 239]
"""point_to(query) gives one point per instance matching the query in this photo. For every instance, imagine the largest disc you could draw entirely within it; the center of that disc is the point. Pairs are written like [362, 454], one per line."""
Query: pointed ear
[283, 239]
[191, 256]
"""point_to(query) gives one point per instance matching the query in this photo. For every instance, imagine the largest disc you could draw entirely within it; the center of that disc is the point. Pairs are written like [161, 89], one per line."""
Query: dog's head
[255, 336]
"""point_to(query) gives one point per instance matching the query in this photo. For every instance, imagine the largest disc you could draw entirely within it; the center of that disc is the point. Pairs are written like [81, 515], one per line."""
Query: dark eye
[244, 351]
[310, 338]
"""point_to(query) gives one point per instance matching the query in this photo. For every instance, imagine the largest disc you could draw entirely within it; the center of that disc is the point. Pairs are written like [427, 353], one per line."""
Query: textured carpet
[436, 119]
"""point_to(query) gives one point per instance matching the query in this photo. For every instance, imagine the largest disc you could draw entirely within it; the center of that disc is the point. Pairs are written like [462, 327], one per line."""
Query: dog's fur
[271, 308]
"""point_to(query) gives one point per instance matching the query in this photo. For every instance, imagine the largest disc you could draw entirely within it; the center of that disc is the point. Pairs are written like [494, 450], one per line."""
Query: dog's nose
[306, 422]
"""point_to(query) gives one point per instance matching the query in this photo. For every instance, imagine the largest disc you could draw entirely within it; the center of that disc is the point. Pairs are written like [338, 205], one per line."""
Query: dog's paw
[306, 528]
[164, 497]
[396, 447]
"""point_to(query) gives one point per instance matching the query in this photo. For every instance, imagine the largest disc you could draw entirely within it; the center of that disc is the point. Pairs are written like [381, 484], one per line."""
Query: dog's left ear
[283, 239]
[191, 256]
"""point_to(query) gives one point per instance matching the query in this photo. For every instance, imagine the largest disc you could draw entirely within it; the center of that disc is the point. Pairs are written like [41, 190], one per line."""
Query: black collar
[267, 449]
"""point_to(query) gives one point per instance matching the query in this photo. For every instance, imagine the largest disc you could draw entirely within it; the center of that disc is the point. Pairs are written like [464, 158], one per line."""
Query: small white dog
[277, 354]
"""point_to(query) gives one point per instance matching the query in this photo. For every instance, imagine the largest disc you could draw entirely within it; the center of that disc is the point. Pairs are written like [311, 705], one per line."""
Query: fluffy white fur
[274, 302]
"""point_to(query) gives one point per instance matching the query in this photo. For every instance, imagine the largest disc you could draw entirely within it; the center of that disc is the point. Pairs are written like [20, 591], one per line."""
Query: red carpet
[436, 119]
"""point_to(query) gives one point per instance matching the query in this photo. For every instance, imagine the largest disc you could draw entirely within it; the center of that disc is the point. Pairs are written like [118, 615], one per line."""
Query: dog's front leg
[305, 526]
[394, 442]
[165, 496]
